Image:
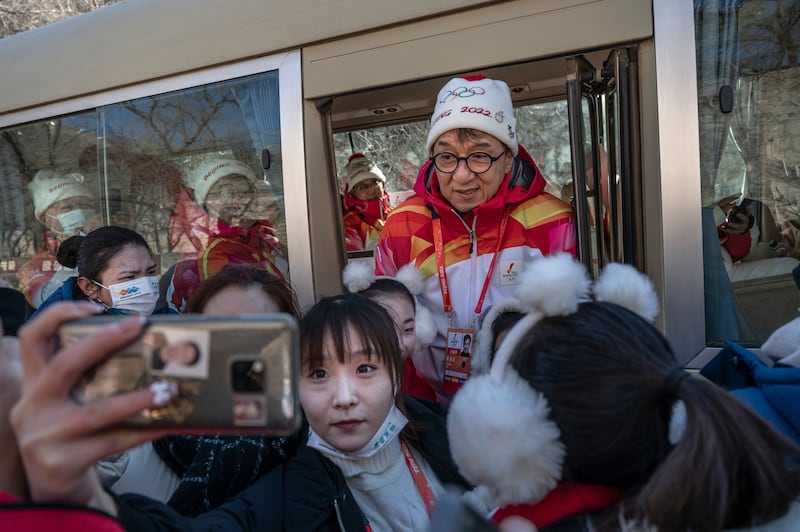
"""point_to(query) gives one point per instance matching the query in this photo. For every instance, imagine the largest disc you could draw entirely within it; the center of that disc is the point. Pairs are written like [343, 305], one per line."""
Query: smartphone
[234, 374]
[452, 514]
[742, 207]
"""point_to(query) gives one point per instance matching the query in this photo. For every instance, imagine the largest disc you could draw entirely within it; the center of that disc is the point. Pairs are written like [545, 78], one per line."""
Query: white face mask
[392, 425]
[136, 296]
[73, 220]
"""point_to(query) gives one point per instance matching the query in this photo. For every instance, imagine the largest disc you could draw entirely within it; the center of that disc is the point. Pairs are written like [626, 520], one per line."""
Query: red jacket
[537, 224]
[207, 245]
[363, 221]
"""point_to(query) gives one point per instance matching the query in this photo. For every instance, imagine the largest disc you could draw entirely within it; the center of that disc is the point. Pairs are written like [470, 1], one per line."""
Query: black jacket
[308, 493]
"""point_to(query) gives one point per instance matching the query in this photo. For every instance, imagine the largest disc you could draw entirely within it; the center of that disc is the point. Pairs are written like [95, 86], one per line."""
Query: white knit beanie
[359, 169]
[212, 170]
[50, 186]
[475, 102]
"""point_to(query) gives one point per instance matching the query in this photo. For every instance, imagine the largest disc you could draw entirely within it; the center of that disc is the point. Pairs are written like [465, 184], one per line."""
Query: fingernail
[133, 322]
[91, 305]
[163, 391]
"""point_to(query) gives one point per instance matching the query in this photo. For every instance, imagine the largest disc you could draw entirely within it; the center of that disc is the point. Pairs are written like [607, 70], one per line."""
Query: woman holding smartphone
[370, 458]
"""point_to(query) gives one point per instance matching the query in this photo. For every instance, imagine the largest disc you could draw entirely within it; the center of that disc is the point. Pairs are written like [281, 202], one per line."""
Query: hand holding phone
[735, 214]
[60, 440]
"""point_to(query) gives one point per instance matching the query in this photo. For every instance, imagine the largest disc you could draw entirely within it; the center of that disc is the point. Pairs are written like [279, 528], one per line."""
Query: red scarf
[371, 211]
[566, 499]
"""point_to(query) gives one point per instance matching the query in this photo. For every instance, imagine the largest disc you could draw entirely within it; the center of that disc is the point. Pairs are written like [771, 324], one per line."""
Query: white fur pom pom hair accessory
[358, 276]
[499, 427]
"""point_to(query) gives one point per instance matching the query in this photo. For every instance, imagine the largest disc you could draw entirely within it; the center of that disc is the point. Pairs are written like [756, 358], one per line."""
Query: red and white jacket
[207, 245]
[363, 221]
[538, 224]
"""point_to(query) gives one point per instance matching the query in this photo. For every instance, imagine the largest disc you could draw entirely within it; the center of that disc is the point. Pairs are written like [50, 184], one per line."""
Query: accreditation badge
[457, 359]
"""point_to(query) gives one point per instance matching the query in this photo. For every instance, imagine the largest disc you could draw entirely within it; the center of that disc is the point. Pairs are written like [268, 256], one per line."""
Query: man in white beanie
[478, 218]
[65, 206]
[365, 203]
[217, 222]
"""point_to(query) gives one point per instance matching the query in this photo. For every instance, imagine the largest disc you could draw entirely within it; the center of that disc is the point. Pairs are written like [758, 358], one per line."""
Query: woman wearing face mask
[115, 269]
[365, 203]
[65, 207]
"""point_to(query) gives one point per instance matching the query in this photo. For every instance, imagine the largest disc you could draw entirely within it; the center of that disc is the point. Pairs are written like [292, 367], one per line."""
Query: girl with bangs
[386, 470]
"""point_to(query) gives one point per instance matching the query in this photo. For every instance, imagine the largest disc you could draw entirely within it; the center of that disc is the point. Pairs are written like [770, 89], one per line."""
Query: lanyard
[419, 479]
[438, 244]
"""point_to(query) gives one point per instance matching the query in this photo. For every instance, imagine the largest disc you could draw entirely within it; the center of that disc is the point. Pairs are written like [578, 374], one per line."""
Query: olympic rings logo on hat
[462, 92]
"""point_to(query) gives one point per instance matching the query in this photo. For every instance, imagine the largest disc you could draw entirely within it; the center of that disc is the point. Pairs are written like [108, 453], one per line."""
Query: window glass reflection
[184, 169]
[750, 165]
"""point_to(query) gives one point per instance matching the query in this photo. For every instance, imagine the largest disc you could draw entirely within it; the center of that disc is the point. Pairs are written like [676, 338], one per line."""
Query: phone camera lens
[248, 376]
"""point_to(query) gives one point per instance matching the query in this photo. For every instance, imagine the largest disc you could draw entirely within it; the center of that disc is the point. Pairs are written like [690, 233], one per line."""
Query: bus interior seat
[767, 229]
[772, 300]
[768, 302]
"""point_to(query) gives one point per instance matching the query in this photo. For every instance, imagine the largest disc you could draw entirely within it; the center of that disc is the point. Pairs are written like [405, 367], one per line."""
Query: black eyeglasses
[478, 162]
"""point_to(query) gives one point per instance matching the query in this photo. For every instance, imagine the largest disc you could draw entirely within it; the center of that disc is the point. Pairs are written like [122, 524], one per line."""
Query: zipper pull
[471, 241]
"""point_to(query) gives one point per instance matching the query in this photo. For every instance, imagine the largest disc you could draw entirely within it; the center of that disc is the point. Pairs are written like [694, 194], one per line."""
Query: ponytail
[729, 469]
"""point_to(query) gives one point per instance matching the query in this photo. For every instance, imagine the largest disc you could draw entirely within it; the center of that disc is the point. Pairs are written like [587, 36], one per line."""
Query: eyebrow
[479, 144]
[364, 353]
[128, 272]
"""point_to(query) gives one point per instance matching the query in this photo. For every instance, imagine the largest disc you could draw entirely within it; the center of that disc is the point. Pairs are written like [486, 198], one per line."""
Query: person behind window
[479, 218]
[115, 268]
[65, 207]
[738, 235]
[366, 203]
[214, 225]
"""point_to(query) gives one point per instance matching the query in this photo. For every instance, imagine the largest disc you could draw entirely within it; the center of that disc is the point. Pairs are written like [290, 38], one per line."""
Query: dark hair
[330, 319]
[91, 253]
[604, 371]
[245, 276]
[502, 323]
[385, 286]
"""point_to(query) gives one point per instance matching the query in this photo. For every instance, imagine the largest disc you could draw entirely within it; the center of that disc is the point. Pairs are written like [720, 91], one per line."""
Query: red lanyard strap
[419, 479]
[438, 245]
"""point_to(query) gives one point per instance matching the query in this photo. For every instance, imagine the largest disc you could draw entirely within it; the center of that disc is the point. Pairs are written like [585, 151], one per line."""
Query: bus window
[543, 128]
[749, 149]
[197, 172]
[399, 150]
